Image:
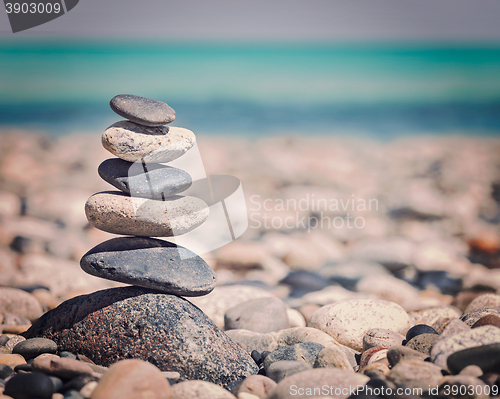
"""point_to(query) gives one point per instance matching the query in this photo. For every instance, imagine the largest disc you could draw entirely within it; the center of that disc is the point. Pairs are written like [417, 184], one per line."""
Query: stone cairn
[148, 320]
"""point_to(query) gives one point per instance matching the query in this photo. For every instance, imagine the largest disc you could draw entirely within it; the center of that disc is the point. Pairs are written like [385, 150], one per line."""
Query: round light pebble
[348, 321]
[117, 213]
[257, 385]
[196, 389]
[295, 318]
[311, 381]
[446, 346]
[381, 338]
[430, 316]
[483, 301]
[132, 142]
[13, 300]
[415, 374]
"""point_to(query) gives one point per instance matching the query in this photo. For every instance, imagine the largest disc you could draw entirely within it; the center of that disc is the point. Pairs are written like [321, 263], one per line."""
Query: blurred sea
[380, 91]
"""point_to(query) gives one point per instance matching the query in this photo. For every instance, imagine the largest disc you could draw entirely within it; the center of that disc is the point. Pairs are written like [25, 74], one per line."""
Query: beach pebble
[455, 326]
[488, 320]
[418, 330]
[130, 379]
[332, 357]
[29, 386]
[415, 374]
[446, 346]
[11, 360]
[132, 142]
[310, 383]
[5, 371]
[399, 353]
[295, 318]
[422, 343]
[305, 352]
[117, 213]
[61, 367]
[13, 341]
[430, 316]
[281, 369]
[252, 340]
[200, 390]
[257, 385]
[260, 315]
[470, 318]
[475, 388]
[382, 338]
[150, 263]
[144, 324]
[487, 357]
[348, 321]
[376, 370]
[394, 253]
[147, 180]
[142, 110]
[483, 301]
[372, 355]
[34, 347]
[13, 300]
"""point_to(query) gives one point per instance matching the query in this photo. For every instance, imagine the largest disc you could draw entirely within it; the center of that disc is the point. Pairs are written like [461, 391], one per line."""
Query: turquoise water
[378, 90]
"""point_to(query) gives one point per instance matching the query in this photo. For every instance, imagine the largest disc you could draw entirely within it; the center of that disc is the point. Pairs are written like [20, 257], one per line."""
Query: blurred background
[392, 101]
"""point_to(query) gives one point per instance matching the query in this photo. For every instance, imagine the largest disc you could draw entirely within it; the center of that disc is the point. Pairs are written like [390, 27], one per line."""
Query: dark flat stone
[142, 110]
[30, 386]
[419, 329]
[160, 181]
[487, 357]
[34, 347]
[150, 263]
[136, 323]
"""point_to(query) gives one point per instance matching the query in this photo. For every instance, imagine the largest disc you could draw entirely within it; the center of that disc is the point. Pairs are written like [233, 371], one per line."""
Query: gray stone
[261, 315]
[414, 373]
[381, 338]
[117, 213]
[150, 263]
[422, 343]
[13, 300]
[444, 347]
[399, 353]
[34, 347]
[142, 110]
[305, 352]
[251, 340]
[132, 142]
[311, 383]
[279, 370]
[147, 180]
[135, 322]
[474, 315]
[29, 386]
[483, 301]
[487, 357]
[332, 357]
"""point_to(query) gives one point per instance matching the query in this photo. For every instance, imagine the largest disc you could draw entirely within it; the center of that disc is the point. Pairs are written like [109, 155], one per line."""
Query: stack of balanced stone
[150, 319]
[148, 204]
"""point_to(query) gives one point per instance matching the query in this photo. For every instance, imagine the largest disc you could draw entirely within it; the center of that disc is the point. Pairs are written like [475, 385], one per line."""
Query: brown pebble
[488, 320]
[9, 329]
[12, 360]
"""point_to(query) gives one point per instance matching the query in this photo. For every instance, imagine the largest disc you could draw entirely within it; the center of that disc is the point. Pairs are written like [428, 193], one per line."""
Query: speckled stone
[281, 369]
[483, 301]
[349, 320]
[433, 315]
[150, 263]
[399, 353]
[135, 322]
[305, 352]
[147, 180]
[471, 317]
[414, 373]
[487, 357]
[34, 347]
[446, 346]
[419, 329]
[422, 343]
[332, 357]
[381, 338]
[142, 110]
[132, 142]
[117, 213]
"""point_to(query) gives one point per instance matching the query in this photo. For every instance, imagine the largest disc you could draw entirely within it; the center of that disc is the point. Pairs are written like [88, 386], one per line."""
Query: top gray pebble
[141, 110]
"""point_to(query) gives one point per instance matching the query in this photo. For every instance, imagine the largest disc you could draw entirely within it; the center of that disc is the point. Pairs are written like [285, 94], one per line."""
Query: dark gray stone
[278, 371]
[422, 343]
[34, 347]
[487, 357]
[29, 386]
[137, 323]
[5, 371]
[306, 352]
[150, 263]
[142, 110]
[261, 315]
[161, 181]
[399, 353]
[419, 329]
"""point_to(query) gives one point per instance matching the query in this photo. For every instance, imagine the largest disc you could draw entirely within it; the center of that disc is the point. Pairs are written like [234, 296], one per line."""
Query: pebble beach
[368, 268]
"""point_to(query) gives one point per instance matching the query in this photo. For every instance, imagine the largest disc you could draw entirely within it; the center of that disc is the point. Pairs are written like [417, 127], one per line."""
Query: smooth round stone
[306, 352]
[29, 386]
[13, 300]
[261, 315]
[11, 359]
[349, 320]
[166, 330]
[419, 329]
[132, 142]
[381, 338]
[312, 381]
[488, 320]
[61, 367]
[474, 315]
[117, 213]
[487, 357]
[479, 336]
[5, 371]
[150, 263]
[399, 353]
[279, 370]
[199, 390]
[148, 180]
[332, 357]
[142, 110]
[372, 355]
[130, 379]
[483, 301]
[415, 374]
[257, 385]
[34, 347]
[423, 343]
